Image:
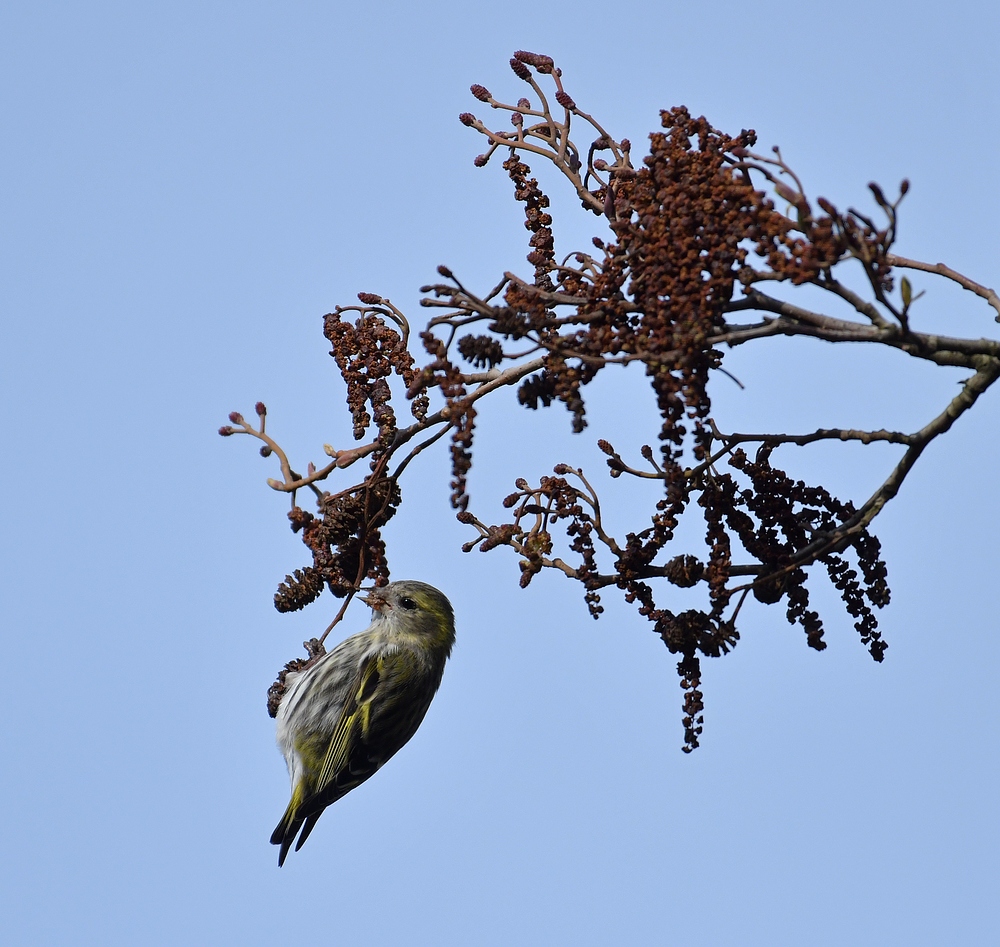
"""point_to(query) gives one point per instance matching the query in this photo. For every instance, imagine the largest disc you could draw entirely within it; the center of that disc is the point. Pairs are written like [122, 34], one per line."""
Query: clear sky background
[186, 188]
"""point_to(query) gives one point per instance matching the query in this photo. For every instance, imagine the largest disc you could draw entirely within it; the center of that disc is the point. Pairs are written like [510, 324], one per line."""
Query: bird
[343, 717]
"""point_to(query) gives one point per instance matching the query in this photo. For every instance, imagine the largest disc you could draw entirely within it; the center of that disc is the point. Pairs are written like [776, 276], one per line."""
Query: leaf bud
[785, 192]
[609, 203]
[907, 291]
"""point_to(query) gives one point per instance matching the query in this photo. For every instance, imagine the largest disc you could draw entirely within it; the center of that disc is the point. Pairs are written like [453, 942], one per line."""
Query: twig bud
[370, 299]
[541, 62]
[877, 194]
[480, 92]
[565, 100]
[520, 70]
[260, 408]
[445, 272]
[480, 160]
[606, 447]
[226, 430]
[467, 118]
[235, 417]
[523, 103]
[265, 451]
[329, 450]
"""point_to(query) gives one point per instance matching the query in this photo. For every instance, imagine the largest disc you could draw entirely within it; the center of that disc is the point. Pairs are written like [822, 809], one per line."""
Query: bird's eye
[408, 603]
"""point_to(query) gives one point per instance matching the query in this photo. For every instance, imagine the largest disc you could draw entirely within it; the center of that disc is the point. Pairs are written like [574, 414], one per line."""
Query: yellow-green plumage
[345, 716]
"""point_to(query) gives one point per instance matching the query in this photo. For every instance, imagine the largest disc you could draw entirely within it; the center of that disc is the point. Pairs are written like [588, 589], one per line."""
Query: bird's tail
[285, 831]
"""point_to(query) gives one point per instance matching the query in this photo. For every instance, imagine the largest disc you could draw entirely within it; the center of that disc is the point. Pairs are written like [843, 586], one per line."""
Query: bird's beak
[374, 601]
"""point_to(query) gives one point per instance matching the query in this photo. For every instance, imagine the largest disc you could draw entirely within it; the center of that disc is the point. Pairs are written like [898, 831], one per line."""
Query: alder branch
[941, 270]
[690, 236]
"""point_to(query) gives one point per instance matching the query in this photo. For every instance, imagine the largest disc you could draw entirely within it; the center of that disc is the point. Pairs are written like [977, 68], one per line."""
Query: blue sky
[186, 189]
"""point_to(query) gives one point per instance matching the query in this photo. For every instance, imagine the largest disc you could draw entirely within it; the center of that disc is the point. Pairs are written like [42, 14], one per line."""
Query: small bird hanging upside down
[344, 716]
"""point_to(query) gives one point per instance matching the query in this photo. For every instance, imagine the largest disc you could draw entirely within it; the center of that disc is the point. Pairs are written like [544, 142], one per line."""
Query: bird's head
[414, 608]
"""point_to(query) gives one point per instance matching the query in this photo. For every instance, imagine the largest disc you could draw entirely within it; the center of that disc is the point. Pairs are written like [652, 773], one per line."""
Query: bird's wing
[358, 748]
[382, 708]
[353, 725]
[347, 689]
